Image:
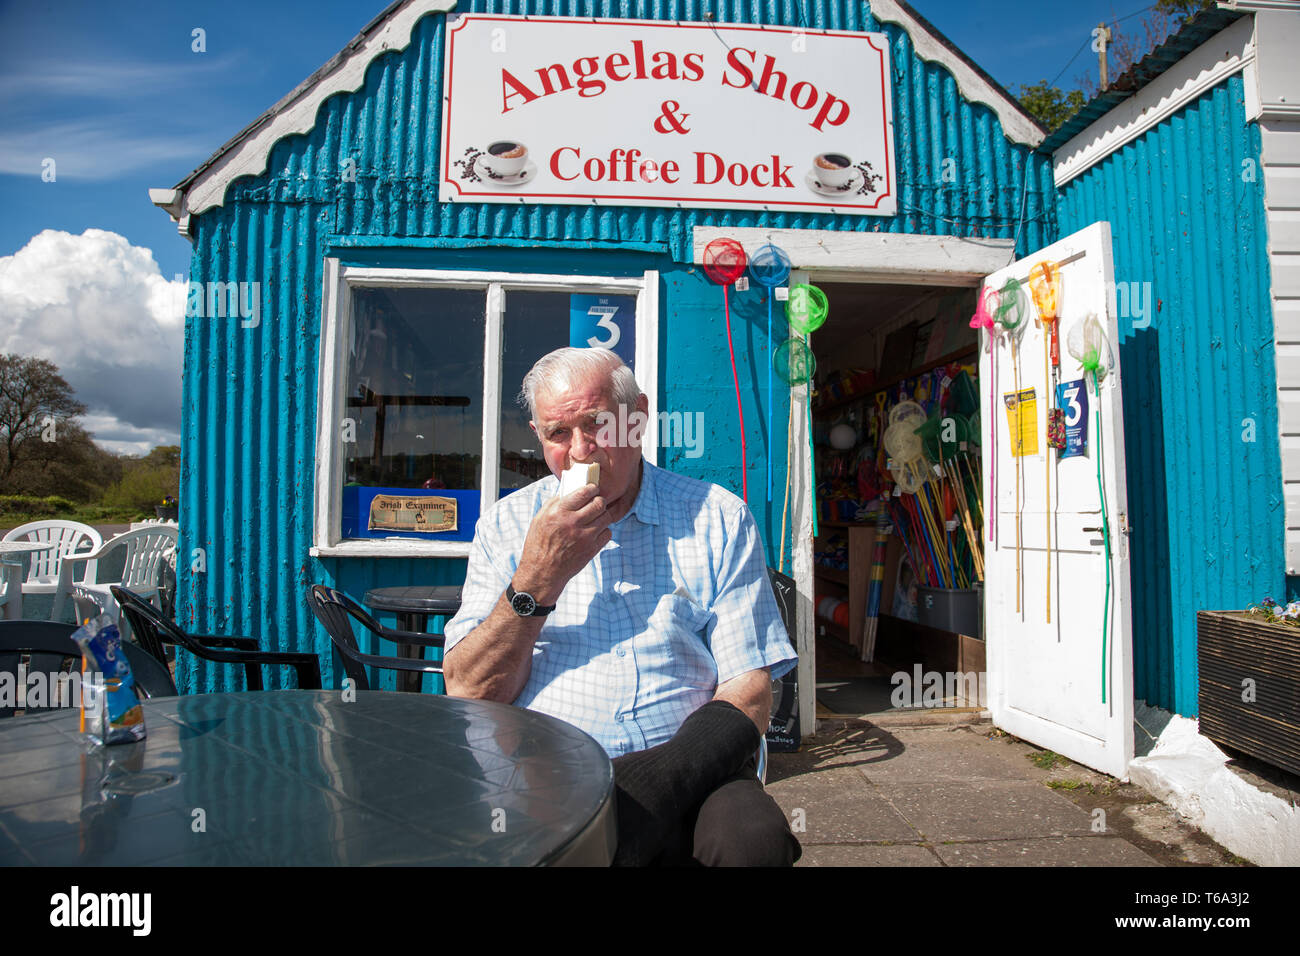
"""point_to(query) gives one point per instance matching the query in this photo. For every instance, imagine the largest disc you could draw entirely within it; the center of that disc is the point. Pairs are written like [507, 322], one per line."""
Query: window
[419, 429]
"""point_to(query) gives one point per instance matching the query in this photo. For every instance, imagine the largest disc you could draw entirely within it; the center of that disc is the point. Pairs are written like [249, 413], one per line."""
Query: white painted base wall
[1189, 773]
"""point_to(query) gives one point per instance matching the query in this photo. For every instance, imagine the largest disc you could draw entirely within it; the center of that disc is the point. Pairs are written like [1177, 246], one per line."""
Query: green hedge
[50, 506]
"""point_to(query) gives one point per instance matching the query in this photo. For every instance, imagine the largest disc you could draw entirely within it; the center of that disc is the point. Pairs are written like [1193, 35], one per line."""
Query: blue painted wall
[250, 393]
[1200, 399]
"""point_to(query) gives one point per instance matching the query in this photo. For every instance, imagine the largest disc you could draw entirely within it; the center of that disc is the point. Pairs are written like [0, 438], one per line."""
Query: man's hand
[494, 660]
[565, 534]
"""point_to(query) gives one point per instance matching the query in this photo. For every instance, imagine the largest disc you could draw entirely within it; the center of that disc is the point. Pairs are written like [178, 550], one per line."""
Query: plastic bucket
[950, 609]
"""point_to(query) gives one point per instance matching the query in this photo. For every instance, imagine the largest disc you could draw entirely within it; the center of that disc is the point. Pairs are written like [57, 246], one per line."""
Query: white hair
[564, 368]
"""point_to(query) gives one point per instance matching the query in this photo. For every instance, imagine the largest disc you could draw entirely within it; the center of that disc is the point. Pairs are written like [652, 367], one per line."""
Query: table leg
[13, 589]
[411, 681]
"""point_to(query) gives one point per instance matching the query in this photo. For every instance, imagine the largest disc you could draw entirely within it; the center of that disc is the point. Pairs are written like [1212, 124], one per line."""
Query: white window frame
[336, 333]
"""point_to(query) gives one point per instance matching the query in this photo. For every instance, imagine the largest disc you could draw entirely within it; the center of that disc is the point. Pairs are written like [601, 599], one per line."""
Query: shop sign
[418, 513]
[654, 113]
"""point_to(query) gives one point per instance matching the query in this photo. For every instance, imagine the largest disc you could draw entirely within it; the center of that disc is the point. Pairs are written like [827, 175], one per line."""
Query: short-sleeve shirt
[675, 604]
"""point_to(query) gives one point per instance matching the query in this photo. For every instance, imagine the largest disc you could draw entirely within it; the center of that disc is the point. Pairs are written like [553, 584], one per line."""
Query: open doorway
[898, 551]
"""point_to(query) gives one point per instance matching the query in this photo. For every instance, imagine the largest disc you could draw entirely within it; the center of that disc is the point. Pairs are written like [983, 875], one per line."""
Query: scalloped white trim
[974, 88]
[251, 156]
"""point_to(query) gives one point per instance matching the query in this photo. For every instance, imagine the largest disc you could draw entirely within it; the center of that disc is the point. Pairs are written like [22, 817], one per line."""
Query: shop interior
[898, 552]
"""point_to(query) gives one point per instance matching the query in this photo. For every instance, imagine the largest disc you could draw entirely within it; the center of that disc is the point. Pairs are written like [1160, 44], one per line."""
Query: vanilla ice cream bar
[577, 476]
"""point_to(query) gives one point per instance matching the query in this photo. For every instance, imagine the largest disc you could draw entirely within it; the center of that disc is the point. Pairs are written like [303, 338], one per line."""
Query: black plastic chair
[334, 609]
[154, 632]
[49, 649]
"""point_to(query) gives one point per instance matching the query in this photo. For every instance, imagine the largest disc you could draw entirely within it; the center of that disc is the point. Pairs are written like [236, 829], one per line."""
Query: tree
[1129, 45]
[35, 404]
[1049, 105]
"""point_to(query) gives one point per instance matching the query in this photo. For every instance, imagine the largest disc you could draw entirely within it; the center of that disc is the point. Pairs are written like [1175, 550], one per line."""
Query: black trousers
[738, 824]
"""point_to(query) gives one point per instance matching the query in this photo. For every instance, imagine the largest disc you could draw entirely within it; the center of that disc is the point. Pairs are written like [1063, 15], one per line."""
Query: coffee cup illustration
[833, 169]
[505, 158]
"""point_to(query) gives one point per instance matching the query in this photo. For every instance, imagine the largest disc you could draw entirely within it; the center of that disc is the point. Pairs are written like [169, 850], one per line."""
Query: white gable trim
[1224, 54]
[249, 156]
[974, 87]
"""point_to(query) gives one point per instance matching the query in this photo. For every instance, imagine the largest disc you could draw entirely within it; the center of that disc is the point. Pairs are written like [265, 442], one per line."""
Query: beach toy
[807, 308]
[724, 263]
[769, 267]
[1087, 343]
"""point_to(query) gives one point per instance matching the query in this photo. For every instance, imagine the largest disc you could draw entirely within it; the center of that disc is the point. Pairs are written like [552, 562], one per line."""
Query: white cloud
[98, 308]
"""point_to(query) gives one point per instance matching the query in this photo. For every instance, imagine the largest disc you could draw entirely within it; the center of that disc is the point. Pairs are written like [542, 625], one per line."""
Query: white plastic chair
[43, 574]
[146, 550]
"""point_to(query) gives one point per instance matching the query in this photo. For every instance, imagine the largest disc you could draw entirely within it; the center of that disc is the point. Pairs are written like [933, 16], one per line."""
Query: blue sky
[114, 93]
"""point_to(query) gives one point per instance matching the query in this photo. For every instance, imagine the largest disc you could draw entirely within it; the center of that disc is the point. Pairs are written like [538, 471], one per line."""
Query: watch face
[523, 604]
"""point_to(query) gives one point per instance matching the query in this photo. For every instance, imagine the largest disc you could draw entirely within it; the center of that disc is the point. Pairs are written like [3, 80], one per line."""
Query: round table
[11, 553]
[414, 604]
[294, 777]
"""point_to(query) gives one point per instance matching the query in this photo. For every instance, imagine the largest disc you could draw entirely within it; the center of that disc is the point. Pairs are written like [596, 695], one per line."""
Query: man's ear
[533, 426]
[643, 404]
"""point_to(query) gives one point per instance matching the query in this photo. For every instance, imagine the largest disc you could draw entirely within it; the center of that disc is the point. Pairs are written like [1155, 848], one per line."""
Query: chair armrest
[220, 640]
[412, 637]
[307, 665]
[397, 663]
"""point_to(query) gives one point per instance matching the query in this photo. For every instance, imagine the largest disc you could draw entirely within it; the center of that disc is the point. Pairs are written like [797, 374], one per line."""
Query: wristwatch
[524, 604]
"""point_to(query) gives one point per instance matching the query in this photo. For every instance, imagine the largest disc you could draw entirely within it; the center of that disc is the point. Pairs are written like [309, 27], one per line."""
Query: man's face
[573, 430]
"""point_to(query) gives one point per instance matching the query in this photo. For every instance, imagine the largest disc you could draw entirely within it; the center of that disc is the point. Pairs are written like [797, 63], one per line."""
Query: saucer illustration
[525, 175]
[832, 192]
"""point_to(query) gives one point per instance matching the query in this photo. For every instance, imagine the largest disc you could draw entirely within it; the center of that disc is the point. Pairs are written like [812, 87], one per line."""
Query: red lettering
[648, 171]
[613, 60]
[809, 89]
[544, 74]
[733, 61]
[665, 68]
[824, 114]
[668, 172]
[779, 174]
[699, 168]
[508, 82]
[555, 163]
[737, 174]
[753, 174]
[693, 67]
[599, 168]
[768, 73]
[638, 54]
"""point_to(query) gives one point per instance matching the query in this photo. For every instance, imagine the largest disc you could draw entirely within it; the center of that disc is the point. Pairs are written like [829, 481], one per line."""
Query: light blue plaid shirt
[676, 603]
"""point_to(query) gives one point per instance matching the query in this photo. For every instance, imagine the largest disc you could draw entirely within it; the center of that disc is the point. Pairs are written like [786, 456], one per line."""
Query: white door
[1049, 681]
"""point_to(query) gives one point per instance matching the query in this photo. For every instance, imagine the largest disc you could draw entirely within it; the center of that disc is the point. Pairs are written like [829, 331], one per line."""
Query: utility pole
[1102, 34]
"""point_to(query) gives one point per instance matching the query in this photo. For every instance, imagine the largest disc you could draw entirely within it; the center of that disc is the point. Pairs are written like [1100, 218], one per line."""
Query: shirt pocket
[682, 627]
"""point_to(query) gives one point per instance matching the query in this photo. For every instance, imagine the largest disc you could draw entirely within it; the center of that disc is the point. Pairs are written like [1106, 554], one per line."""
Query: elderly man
[639, 610]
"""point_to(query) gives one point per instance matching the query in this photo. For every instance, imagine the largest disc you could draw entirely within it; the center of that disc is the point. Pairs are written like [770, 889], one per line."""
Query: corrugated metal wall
[1200, 406]
[250, 393]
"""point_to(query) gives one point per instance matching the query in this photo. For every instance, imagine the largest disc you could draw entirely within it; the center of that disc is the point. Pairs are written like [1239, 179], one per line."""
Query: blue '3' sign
[604, 322]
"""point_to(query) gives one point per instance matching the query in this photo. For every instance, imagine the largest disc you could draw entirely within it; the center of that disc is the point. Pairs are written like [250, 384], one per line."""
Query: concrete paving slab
[1049, 851]
[867, 855]
[983, 810]
[836, 805]
[945, 754]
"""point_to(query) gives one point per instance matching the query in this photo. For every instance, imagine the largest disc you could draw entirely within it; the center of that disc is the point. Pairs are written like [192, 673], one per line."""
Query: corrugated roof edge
[1194, 31]
[324, 69]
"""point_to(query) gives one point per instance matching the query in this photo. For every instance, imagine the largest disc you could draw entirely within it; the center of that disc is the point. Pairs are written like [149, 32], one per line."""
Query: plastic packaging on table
[111, 713]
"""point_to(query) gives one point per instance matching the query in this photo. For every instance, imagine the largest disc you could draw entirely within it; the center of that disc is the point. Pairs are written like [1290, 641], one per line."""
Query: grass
[1068, 784]
[86, 514]
[1046, 759]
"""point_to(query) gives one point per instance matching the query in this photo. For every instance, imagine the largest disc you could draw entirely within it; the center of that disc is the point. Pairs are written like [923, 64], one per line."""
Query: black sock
[657, 788]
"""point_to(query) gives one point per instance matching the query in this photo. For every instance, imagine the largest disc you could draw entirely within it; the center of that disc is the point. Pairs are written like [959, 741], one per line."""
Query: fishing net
[794, 362]
[769, 266]
[807, 308]
[724, 261]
